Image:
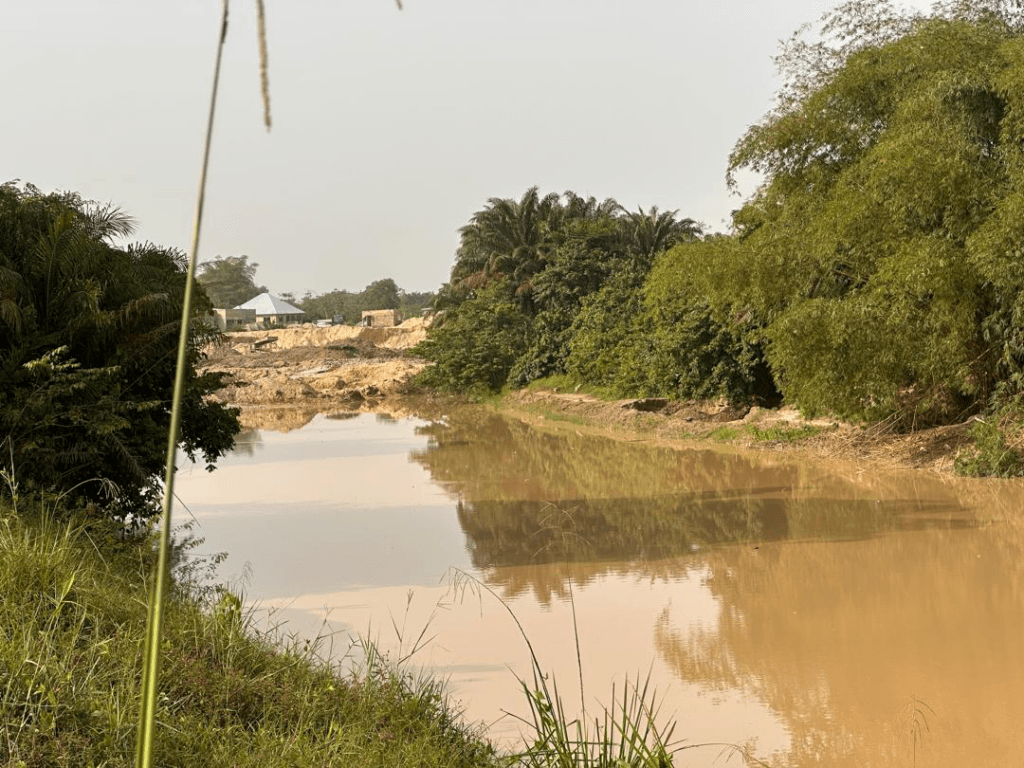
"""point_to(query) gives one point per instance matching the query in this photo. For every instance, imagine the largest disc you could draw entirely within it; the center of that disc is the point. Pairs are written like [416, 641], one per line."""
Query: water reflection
[797, 605]
[533, 497]
[838, 640]
[247, 442]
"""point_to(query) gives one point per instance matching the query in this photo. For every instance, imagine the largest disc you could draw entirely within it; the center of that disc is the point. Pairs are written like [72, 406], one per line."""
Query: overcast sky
[390, 128]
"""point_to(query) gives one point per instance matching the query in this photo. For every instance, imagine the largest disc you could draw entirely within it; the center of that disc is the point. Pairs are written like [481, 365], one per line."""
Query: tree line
[877, 271]
[231, 280]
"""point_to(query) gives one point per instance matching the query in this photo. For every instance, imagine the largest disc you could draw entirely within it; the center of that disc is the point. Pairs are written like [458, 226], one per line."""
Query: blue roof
[268, 304]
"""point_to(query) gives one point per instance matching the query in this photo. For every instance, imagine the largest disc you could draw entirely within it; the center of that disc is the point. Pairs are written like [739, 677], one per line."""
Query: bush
[88, 345]
[476, 344]
[990, 456]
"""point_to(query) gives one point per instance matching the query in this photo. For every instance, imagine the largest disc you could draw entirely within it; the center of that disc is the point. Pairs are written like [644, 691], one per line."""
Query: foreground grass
[72, 621]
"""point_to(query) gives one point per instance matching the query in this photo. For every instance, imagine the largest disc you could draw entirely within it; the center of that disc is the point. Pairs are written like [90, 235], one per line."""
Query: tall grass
[72, 622]
[629, 732]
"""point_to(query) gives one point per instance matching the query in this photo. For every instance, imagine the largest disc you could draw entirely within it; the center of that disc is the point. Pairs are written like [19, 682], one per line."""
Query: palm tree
[508, 238]
[87, 340]
[648, 234]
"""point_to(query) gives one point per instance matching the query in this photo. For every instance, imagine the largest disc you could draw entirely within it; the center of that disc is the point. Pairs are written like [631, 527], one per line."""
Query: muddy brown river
[818, 614]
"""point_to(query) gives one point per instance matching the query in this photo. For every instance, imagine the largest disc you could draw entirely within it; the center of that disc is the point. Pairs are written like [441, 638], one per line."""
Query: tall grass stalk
[626, 734]
[151, 656]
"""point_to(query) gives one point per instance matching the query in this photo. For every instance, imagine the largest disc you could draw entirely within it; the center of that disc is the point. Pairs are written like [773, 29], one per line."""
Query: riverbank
[280, 379]
[778, 430]
[74, 615]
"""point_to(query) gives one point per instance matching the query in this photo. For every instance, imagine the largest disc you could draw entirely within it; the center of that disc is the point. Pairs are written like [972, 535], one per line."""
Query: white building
[271, 310]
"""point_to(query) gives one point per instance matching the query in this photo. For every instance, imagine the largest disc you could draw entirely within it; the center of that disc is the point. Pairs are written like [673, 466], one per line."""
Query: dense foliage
[523, 272]
[880, 258]
[88, 344]
[876, 272]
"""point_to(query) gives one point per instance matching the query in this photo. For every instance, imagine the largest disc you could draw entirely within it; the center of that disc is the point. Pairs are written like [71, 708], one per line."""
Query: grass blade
[151, 654]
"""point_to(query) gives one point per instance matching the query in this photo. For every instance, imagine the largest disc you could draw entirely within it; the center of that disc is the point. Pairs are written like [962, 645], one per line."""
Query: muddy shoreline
[778, 430]
[281, 379]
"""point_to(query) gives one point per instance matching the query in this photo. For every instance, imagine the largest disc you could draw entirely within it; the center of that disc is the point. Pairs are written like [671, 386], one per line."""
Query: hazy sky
[390, 128]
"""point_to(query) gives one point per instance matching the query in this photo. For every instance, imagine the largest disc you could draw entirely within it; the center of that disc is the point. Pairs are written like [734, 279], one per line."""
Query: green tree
[609, 342]
[229, 280]
[507, 239]
[590, 251]
[381, 294]
[648, 234]
[477, 344]
[88, 341]
[880, 256]
[689, 351]
[550, 256]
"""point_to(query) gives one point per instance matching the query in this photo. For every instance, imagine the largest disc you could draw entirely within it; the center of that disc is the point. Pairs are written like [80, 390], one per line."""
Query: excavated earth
[283, 377]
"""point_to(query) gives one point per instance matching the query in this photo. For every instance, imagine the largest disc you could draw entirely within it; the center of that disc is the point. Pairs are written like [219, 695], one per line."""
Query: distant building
[381, 318]
[233, 319]
[271, 310]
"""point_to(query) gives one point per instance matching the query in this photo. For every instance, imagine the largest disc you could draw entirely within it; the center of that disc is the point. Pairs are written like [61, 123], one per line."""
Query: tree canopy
[536, 261]
[229, 280]
[88, 342]
[880, 257]
[876, 272]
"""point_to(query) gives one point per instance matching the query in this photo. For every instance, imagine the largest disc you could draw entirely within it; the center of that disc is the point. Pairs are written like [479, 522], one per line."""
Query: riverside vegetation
[74, 617]
[86, 371]
[874, 275]
[87, 368]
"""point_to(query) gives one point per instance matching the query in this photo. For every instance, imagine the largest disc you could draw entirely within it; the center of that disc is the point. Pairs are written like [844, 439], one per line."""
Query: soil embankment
[310, 369]
[777, 430]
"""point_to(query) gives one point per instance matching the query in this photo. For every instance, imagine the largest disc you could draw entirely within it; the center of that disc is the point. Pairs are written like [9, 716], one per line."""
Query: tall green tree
[647, 234]
[381, 294]
[88, 341]
[229, 280]
[880, 255]
[507, 239]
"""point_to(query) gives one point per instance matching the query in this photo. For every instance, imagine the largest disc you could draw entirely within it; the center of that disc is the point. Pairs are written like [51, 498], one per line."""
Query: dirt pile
[404, 336]
[317, 368]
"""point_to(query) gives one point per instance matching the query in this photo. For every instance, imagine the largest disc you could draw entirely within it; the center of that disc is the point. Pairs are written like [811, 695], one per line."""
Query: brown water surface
[820, 614]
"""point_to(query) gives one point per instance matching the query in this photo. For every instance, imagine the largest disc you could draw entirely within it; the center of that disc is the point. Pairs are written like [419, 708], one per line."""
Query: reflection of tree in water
[836, 638]
[505, 533]
[490, 457]
[530, 496]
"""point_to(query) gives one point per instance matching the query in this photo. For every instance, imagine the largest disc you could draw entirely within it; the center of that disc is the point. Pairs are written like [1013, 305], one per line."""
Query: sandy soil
[306, 369]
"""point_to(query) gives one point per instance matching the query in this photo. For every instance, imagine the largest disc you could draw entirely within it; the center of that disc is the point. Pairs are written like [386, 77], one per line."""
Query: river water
[818, 614]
